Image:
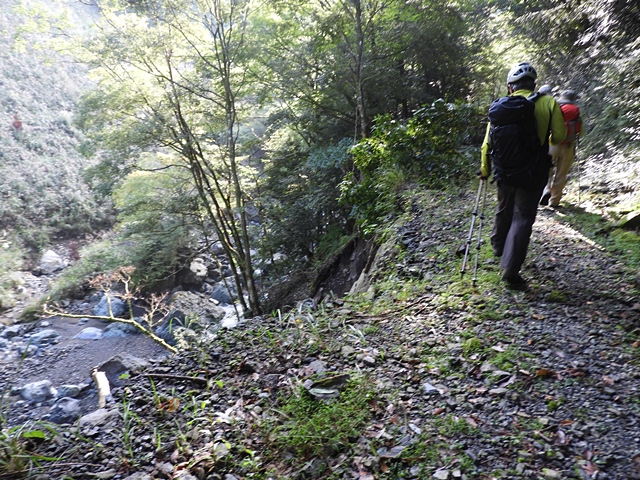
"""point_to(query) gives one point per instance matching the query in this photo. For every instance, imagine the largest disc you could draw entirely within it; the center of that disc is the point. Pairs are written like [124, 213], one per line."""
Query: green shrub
[426, 149]
[17, 459]
[472, 345]
[153, 227]
[301, 215]
[156, 220]
[99, 257]
[556, 296]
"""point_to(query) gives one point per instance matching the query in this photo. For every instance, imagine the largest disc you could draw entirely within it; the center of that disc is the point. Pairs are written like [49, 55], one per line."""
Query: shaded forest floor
[423, 376]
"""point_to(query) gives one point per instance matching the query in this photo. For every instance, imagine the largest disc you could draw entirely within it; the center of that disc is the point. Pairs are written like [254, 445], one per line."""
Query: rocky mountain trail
[461, 381]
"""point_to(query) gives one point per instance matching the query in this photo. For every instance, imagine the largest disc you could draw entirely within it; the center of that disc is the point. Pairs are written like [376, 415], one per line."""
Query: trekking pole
[474, 215]
[484, 202]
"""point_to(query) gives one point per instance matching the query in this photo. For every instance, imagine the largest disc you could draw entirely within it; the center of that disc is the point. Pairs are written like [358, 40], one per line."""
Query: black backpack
[515, 146]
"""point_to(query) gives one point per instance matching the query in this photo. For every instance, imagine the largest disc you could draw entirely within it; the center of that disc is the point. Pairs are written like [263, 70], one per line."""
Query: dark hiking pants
[512, 225]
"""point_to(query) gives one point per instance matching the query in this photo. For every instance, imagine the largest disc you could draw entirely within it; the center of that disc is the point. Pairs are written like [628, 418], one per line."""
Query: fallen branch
[104, 282]
[111, 318]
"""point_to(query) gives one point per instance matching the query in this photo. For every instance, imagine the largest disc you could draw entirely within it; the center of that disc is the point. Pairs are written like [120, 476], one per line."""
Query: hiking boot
[514, 281]
[545, 198]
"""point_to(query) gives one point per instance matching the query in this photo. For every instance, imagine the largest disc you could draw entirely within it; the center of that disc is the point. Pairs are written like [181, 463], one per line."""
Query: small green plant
[157, 436]
[553, 405]
[506, 360]
[251, 462]
[433, 454]
[451, 426]
[16, 450]
[557, 296]
[317, 428]
[130, 422]
[471, 345]
[532, 424]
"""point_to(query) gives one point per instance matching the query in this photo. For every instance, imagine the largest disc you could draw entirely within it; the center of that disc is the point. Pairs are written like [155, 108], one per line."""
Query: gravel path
[466, 382]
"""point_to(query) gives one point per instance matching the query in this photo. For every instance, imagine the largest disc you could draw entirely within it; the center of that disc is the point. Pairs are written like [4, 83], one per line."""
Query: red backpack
[572, 121]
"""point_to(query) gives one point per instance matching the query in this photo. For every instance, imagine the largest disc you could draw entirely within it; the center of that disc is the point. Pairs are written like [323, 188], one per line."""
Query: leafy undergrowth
[425, 374]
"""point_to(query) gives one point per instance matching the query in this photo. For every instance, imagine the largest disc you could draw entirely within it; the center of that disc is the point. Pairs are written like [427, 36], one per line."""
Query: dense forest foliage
[278, 130]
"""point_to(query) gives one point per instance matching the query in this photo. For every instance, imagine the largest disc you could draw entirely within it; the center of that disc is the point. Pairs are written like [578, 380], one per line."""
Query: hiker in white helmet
[519, 188]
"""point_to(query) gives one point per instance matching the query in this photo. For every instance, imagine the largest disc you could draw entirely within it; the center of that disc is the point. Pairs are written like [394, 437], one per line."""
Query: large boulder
[118, 306]
[225, 294]
[188, 314]
[65, 410]
[50, 263]
[188, 308]
[89, 333]
[45, 337]
[120, 364]
[630, 221]
[194, 276]
[119, 329]
[38, 391]
[98, 417]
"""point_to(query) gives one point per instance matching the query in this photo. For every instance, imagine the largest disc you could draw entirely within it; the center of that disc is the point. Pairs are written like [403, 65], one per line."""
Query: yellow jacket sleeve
[558, 132]
[485, 165]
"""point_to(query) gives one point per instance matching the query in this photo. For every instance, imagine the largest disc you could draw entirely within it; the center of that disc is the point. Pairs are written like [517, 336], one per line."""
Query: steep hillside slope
[41, 172]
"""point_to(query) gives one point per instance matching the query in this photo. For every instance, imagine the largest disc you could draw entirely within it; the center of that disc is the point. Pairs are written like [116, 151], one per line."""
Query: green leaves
[426, 148]
[16, 448]
[316, 428]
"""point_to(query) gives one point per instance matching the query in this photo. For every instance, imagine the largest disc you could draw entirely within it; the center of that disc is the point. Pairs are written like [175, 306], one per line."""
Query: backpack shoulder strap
[534, 97]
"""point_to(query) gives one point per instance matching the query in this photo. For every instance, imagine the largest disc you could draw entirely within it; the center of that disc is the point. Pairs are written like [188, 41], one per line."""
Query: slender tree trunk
[360, 105]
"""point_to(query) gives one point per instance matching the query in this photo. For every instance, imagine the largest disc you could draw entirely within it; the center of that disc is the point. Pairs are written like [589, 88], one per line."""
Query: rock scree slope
[463, 381]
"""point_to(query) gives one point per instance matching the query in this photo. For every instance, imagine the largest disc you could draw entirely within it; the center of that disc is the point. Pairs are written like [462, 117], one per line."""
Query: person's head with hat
[546, 89]
[568, 96]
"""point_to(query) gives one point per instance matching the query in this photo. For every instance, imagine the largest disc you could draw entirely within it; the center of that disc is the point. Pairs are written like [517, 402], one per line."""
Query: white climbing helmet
[546, 89]
[520, 71]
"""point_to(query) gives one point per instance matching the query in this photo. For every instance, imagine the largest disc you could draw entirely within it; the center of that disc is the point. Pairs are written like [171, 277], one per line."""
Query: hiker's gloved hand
[481, 176]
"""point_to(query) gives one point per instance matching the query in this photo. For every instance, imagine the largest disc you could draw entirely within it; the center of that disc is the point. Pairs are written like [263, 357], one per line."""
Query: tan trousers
[563, 157]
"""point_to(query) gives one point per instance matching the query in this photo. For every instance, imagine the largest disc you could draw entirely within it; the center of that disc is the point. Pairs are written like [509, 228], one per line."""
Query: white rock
[51, 262]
